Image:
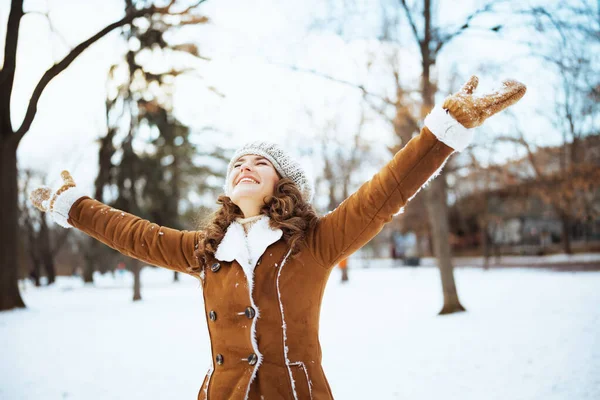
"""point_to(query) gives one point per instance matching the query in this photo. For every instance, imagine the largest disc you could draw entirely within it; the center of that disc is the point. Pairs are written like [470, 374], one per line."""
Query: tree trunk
[35, 273]
[438, 214]
[344, 274]
[175, 276]
[430, 238]
[497, 252]
[50, 269]
[90, 257]
[565, 220]
[32, 248]
[46, 255]
[88, 271]
[9, 268]
[485, 244]
[436, 193]
[485, 240]
[136, 268]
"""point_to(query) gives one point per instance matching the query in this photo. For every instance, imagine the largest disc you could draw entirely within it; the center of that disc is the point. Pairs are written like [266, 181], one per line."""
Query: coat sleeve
[362, 215]
[131, 235]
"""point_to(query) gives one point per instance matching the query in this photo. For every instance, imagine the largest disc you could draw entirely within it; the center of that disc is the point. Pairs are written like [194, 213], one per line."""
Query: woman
[265, 257]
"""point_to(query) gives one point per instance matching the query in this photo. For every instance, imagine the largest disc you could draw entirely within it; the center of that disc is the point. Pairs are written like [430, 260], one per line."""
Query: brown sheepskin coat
[262, 307]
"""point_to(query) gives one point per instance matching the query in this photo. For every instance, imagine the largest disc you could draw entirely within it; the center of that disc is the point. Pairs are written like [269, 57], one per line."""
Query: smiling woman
[252, 183]
[264, 257]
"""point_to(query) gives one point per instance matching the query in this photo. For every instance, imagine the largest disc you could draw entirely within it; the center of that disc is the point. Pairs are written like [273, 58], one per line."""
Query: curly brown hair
[286, 209]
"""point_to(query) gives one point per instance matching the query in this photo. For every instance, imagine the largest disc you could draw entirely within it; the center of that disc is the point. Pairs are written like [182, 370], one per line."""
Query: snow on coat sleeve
[134, 236]
[363, 214]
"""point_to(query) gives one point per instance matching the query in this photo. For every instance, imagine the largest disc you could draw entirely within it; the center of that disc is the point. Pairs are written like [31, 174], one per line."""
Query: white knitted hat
[281, 160]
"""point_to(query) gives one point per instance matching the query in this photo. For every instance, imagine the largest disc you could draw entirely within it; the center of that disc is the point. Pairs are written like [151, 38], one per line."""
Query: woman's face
[253, 178]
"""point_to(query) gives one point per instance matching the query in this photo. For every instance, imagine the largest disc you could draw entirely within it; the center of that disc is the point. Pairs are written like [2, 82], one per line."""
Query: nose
[245, 166]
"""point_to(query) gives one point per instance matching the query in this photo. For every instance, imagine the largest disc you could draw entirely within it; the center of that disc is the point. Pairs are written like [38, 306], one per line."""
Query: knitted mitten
[471, 111]
[57, 202]
[39, 197]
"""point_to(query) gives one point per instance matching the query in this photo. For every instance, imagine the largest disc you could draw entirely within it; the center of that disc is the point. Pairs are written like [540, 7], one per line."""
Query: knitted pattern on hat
[285, 165]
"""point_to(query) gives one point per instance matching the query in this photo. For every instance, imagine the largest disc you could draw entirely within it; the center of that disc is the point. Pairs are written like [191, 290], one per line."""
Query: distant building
[531, 205]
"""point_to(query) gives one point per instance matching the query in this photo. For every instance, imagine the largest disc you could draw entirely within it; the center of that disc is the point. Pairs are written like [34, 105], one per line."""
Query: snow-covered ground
[528, 334]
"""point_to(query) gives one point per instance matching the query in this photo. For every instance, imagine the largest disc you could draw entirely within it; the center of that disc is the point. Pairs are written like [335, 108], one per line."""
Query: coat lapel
[247, 251]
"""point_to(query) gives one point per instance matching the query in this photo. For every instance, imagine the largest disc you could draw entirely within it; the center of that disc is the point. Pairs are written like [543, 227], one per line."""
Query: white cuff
[63, 204]
[448, 130]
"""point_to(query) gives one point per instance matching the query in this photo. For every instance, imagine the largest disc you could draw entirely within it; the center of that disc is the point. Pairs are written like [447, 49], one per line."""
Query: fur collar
[247, 251]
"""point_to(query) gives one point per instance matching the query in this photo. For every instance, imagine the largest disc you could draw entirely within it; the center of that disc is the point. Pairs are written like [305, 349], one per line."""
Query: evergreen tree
[148, 163]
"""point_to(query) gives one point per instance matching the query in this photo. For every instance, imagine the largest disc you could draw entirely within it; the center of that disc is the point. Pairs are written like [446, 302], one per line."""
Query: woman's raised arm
[124, 232]
[362, 215]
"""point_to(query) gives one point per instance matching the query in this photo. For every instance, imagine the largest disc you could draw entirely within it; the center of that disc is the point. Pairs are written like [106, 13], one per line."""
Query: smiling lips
[247, 179]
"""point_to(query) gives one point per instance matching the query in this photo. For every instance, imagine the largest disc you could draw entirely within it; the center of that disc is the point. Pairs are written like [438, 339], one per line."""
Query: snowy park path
[528, 334]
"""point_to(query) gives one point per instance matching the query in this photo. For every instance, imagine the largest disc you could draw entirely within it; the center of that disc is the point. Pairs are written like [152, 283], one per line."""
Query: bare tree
[476, 205]
[431, 40]
[569, 185]
[340, 161]
[341, 158]
[575, 108]
[532, 187]
[411, 105]
[11, 133]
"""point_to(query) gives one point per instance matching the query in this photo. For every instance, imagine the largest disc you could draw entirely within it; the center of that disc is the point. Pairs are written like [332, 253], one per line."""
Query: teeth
[248, 180]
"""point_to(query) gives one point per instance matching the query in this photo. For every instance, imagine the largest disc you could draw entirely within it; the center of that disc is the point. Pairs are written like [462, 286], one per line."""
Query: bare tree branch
[541, 11]
[530, 153]
[50, 25]
[447, 38]
[188, 9]
[400, 103]
[69, 58]
[411, 21]
[337, 80]
[378, 109]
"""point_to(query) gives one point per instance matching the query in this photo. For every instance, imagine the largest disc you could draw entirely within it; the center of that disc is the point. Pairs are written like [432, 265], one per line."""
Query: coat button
[215, 267]
[252, 359]
[249, 312]
[219, 359]
[212, 315]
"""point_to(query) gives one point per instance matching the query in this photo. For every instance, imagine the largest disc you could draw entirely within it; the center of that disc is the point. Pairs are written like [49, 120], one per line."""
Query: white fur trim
[230, 244]
[63, 204]
[247, 249]
[308, 381]
[284, 327]
[250, 278]
[448, 130]
[209, 376]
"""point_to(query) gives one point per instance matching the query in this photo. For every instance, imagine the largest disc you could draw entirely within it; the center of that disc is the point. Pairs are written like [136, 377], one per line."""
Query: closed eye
[262, 162]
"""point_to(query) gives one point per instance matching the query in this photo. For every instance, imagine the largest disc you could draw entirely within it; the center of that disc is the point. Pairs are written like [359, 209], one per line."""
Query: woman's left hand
[43, 198]
[470, 111]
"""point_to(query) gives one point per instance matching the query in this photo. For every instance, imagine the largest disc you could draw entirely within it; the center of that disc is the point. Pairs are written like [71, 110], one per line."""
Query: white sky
[247, 42]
